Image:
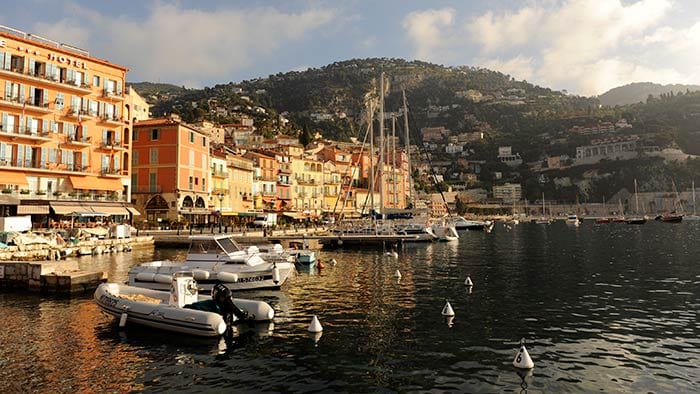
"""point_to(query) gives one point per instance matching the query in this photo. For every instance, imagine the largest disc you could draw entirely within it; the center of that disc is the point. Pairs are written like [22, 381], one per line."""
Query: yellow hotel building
[64, 129]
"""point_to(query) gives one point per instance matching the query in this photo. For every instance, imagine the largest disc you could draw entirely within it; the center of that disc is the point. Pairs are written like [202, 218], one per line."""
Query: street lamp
[221, 200]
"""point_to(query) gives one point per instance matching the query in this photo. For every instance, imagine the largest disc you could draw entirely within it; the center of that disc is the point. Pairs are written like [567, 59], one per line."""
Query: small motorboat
[181, 310]
[219, 258]
[305, 257]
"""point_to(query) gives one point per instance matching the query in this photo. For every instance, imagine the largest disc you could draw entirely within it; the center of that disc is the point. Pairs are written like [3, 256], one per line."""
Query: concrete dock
[61, 277]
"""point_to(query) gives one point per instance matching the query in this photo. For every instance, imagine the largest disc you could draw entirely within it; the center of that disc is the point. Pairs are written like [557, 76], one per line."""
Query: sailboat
[694, 215]
[637, 219]
[544, 219]
[675, 216]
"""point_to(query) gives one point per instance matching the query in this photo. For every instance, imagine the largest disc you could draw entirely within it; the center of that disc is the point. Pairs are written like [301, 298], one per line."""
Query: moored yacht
[218, 258]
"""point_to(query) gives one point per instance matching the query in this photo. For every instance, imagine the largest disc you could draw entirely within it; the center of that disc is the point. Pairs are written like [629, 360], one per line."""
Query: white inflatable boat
[181, 310]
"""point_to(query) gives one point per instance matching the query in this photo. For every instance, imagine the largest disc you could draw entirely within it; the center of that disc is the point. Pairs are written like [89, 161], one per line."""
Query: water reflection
[604, 308]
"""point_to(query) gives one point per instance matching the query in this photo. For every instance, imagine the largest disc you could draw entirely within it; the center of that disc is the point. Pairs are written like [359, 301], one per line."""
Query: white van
[265, 220]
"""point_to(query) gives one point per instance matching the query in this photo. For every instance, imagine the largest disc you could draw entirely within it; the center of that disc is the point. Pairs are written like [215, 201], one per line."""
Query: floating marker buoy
[468, 281]
[522, 359]
[315, 325]
[447, 309]
[398, 274]
[333, 262]
[122, 320]
[450, 321]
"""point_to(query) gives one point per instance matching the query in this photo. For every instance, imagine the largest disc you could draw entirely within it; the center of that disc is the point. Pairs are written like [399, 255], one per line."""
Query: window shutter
[45, 95]
[32, 63]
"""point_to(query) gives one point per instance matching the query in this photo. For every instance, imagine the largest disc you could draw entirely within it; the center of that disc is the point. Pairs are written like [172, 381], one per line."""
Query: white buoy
[398, 274]
[333, 262]
[450, 321]
[522, 359]
[447, 309]
[468, 281]
[315, 325]
[122, 320]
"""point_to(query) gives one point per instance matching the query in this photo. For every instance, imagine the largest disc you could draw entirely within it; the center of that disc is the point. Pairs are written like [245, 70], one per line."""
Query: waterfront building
[508, 192]
[241, 184]
[220, 196]
[265, 169]
[65, 130]
[308, 186]
[171, 171]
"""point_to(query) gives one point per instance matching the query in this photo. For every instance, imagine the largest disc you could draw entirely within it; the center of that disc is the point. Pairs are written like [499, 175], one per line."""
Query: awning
[66, 208]
[33, 210]
[292, 215]
[110, 209]
[133, 211]
[247, 213]
[8, 200]
[229, 214]
[95, 183]
[13, 178]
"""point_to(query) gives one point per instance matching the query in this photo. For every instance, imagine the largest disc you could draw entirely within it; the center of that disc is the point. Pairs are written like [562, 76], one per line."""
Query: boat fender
[276, 275]
[200, 274]
[162, 278]
[145, 276]
[229, 277]
[122, 320]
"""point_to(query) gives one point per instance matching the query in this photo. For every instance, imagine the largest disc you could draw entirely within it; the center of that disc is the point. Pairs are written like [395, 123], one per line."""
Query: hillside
[640, 91]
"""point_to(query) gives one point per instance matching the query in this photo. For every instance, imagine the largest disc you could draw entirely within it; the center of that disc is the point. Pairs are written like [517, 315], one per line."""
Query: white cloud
[174, 44]
[519, 67]
[584, 46]
[427, 31]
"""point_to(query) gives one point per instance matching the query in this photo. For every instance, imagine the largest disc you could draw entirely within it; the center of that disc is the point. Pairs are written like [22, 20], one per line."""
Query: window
[191, 183]
[59, 100]
[95, 80]
[153, 156]
[204, 141]
[155, 134]
[134, 135]
[152, 182]
[134, 158]
[191, 137]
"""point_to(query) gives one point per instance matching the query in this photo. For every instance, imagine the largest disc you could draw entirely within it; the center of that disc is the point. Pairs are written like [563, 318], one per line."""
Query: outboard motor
[224, 301]
[183, 290]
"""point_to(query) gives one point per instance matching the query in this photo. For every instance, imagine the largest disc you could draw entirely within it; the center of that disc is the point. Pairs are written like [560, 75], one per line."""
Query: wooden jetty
[62, 277]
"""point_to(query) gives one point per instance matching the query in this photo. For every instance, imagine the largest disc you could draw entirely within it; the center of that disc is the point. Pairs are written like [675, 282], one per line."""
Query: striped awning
[65, 208]
[110, 209]
[133, 211]
[32, 209]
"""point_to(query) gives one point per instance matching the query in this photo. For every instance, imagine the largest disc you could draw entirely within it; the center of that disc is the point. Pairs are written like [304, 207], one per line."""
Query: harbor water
[608, 308]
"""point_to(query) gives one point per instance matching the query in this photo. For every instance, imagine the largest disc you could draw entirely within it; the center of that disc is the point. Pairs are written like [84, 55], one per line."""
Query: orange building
[170, 171]
[64, 129]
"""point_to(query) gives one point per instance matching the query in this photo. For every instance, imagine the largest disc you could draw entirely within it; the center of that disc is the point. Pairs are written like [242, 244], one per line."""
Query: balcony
[219, 174]
[110, 119]
[110, 144]
[76, 140]
[302, 181]
[112, 94]
[31, 107]
[112, 172]
[44, 80]
[24, 134]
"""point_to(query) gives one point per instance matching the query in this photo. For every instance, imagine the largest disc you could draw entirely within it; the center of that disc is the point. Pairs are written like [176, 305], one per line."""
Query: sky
[585, 47]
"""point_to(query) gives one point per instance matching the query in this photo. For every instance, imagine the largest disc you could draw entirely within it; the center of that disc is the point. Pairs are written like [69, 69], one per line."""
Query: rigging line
[354, 168]
[432, 170]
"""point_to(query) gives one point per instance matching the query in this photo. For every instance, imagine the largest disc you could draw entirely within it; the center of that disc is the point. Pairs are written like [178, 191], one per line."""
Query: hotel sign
[68, 60]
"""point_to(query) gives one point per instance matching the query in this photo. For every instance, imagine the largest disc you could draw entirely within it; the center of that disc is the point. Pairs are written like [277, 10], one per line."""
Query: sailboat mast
[408, 148]
[393, 157]
[636, 198]
[371, 157]
[381, 144]
[693, 188]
